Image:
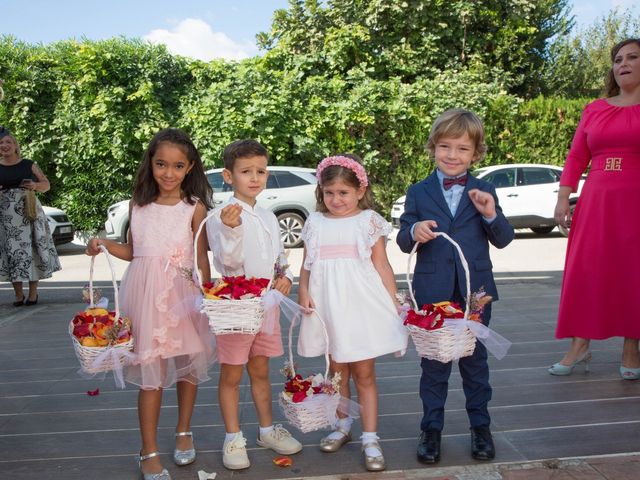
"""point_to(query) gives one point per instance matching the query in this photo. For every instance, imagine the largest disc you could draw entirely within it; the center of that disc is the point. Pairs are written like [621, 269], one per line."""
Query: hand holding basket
[450, 341]
[229, 316]
[102, 340]
[454, 338]
[318, 410]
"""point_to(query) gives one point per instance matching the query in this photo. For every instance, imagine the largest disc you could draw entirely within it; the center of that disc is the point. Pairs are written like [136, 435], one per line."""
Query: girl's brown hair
[194, 185]
[333, 173]
[611, 88]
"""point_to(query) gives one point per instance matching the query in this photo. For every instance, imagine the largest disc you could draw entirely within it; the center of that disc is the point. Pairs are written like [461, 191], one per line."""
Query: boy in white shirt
[245, 240]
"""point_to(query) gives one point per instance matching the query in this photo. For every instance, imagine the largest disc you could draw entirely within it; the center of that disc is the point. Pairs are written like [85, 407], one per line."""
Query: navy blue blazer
[437, 260]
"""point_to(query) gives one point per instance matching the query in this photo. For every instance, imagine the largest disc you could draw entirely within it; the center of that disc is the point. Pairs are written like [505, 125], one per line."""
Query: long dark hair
[195, 184]
[611, 88]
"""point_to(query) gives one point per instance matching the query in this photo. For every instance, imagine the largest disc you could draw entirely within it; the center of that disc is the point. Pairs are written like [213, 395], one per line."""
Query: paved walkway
[608, 467]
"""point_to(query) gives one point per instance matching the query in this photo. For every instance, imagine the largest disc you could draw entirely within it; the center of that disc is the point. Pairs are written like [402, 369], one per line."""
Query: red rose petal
[283, 461]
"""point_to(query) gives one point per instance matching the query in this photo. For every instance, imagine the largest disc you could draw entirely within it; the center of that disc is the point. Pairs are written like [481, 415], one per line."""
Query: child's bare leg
[336, 439]
[276, 437]
[345, 373]
[364, 377]
[187, 393]
[258, 368]
[229, 395]
[149, 402]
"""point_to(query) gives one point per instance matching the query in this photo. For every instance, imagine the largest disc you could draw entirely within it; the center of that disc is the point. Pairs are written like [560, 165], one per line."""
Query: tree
[578, 63]
[409, 39]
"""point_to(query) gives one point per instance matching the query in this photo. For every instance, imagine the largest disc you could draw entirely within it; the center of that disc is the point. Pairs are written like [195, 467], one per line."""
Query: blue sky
[198, 28]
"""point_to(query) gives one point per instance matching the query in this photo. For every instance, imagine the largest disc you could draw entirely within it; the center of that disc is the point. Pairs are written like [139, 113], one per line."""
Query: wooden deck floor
[50, 428]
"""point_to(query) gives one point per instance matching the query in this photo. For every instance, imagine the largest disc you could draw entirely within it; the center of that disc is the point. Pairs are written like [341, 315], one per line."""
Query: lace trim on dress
[311, 238]
[371, 228]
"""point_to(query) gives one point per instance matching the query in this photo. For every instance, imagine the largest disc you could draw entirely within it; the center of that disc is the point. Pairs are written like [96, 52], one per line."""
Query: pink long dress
[601, 283]
[172, 341]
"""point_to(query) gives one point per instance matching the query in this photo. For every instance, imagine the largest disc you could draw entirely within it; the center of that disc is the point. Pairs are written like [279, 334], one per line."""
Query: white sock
[230, 436]
[344, 424]
[265, 430]
[370, 437]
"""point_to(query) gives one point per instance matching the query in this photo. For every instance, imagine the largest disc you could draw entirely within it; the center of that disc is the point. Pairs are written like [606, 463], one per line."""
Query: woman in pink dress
[172, 341]
[602, 270]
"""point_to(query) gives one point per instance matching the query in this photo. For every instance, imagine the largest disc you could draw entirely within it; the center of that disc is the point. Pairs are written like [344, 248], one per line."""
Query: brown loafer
[330, 445]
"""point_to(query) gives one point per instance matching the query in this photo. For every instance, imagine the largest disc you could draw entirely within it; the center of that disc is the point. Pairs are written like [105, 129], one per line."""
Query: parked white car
[527, 194]
[290, 195]
[61, 228]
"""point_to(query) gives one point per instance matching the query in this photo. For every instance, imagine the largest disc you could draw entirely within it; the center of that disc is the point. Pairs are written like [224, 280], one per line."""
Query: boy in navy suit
[451, 200]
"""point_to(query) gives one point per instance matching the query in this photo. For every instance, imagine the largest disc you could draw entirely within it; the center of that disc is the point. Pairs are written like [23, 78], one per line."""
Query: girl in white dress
[346, 277]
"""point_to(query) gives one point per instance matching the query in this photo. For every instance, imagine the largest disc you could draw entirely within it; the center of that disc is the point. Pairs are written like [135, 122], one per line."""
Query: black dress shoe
[19, 303]
[429, 446]
[482, 447]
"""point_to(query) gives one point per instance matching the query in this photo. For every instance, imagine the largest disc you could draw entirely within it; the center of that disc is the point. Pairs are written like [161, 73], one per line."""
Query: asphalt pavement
[584, 426]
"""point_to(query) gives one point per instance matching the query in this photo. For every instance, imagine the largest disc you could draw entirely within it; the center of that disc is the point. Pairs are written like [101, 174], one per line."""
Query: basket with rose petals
[101, 339]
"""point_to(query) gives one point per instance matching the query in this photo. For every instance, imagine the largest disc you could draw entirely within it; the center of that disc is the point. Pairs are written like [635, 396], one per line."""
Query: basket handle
[113, 280]
[465, 266]
[326, 340]
[195, 246]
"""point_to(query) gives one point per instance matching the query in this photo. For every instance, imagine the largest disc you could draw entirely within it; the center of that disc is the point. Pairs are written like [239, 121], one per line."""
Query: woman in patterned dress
[27, 251]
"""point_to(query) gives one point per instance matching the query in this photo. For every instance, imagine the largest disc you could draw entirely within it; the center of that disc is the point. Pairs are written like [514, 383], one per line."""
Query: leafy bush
[86, 110]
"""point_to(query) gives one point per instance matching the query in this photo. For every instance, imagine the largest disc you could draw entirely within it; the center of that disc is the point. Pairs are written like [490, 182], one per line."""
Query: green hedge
[86, 110]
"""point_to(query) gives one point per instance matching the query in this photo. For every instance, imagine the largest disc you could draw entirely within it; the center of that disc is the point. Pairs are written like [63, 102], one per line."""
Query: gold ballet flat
[330, 445]
[373, 464]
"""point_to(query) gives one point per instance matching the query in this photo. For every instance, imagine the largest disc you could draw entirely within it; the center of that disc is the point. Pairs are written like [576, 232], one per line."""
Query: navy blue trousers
[434, 385]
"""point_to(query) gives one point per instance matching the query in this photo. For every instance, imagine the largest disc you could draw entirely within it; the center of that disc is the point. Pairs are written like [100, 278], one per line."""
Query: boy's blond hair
[455, 123]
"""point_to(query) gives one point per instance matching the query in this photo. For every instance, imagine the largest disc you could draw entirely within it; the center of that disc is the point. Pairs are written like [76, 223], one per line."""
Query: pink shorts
[237, 348]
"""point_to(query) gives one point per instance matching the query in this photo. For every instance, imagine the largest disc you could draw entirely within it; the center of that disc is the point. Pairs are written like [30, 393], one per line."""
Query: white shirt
[250, 249]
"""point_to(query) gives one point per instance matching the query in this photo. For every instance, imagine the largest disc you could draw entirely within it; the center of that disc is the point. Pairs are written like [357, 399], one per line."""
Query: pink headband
[344, 162]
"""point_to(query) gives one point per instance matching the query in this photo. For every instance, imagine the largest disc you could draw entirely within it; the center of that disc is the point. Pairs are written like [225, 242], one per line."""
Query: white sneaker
[280, 441]
[234, 453]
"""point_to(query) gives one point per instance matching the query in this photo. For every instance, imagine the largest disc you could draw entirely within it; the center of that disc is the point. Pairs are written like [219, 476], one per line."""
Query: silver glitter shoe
[163, 475]
[184, 457]
[373, 464]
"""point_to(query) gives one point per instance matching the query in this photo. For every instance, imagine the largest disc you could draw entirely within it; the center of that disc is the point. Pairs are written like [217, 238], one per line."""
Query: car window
[287, 179]
[216, 182]
[271, 181]
[505, 177]
[538, 176]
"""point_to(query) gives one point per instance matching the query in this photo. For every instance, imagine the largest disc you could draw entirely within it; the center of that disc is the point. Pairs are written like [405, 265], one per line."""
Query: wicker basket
[317, 411]
[450, 342]
[229, 316]
[88, 355]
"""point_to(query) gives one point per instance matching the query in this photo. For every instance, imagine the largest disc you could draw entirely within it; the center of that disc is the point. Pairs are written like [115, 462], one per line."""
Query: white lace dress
[348, 292]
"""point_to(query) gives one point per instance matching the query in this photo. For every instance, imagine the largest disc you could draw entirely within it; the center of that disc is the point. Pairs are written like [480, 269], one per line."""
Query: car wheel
[542, 230]
[565, 230]
[291, 229]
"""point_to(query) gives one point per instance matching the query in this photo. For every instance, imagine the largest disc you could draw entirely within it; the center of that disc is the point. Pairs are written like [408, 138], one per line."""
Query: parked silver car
[290, 195]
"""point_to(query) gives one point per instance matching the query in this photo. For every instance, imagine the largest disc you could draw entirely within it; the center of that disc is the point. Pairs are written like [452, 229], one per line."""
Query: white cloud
[194, 38]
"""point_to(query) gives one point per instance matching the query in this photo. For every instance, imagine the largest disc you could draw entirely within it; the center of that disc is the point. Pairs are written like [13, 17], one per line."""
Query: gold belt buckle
[613, 164]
